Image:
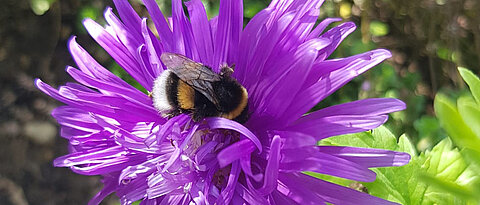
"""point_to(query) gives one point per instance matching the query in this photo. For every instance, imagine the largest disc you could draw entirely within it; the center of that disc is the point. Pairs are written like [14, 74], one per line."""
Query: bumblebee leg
[197, 116]
[172, 113]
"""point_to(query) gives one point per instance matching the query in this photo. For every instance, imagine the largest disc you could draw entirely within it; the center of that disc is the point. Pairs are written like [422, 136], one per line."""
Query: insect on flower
[190, 87]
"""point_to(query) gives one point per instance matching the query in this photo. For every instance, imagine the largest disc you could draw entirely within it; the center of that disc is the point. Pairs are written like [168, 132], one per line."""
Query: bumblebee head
[227, 71]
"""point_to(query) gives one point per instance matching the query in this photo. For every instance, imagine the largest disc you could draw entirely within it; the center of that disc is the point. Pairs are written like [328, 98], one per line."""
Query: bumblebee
[193, 88]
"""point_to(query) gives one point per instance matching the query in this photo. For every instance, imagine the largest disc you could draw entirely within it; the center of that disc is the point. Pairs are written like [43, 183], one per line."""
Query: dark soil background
[423, 36]
[34, 46]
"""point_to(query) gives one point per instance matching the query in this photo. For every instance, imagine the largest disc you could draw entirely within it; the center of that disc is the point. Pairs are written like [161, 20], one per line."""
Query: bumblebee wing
[194, 74]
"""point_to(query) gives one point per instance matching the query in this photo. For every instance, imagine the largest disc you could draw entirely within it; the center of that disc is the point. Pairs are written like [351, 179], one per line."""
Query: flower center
[195, 156]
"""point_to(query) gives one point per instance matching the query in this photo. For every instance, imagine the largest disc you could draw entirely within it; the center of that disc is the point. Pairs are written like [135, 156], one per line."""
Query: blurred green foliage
[461, 120]
[39, 7]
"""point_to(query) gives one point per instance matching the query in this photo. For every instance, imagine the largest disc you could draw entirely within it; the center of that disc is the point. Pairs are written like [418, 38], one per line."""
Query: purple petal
[249, 40]
[109, 187]
[98, 161]
[182, 32]
[297, 30]
[47, 89]
[275, 91]
[117, 50]
[273, 36]
[279, 198]
[158, 18]
[330, 192]
[338, 125]
[325, 164]
[336, 35]
[282, 7]
[152, 49]
[213, 25]
[368, 157]
[268, 36]
[230, 24]
[132, 191]
[121, 32]
[235, 152]
[298, 193]
[127, 92]
[321, 27]
[227, 192]
[366, 107]
[222, 123]
[330, 82]
[296, 139]
[201, 30]
[107, 106]
[271, 171]
[248, 196]
[75, 118]
[141, 109]
[129, 17]
[245, 163]
[89, 66]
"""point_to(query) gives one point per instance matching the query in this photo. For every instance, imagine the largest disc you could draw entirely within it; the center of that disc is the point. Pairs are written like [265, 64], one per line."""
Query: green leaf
[393, 183]
[472, 157]
[330, 178]
[446, 163]
[405, 145]
[453, 123]
[446, 186]
[379, 138]
[400, 184]
[447, 173]
[405, 185]
[470, 112]
[472, 81]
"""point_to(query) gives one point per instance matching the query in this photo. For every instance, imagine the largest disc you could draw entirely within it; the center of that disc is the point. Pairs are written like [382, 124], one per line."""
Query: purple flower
[280, 57]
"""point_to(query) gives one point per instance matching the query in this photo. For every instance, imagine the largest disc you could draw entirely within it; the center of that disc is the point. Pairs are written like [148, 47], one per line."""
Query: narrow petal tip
[41, 85]
[92, 27]
[59, 162]
[37, 82]
[401, 158]
[381, 53]
[398, 105]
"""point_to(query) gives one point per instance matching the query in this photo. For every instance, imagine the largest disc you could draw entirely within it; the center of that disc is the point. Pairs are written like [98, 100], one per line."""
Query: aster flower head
[280, 58]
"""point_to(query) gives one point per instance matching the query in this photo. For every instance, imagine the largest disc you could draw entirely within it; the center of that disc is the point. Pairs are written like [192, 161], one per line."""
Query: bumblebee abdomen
[185, 96]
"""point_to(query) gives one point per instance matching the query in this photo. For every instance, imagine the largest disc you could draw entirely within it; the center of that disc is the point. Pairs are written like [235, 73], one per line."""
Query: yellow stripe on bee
[185, 95]
[243, 103]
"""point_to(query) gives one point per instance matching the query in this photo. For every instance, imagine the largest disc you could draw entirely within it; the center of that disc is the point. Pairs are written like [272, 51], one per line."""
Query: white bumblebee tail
[159, 93]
